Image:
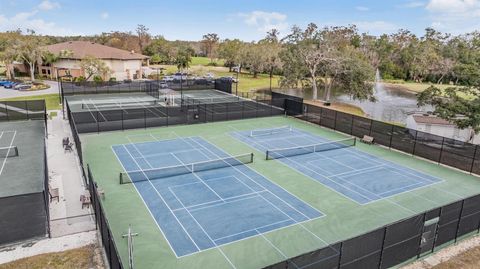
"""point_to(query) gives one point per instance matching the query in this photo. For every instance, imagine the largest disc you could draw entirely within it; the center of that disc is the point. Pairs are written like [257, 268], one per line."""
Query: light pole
[236, 83]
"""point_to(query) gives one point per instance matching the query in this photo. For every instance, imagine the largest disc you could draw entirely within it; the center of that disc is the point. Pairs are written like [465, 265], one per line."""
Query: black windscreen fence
[454, 153]
[137, 118]
[395, 243]
[150, 87]
[22, 110]
[103, 226]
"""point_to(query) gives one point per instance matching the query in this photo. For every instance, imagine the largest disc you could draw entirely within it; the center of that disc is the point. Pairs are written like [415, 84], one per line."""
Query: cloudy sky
[244, 19]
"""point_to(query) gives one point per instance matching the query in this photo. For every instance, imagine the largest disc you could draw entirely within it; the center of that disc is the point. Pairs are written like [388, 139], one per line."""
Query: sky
[244, 19]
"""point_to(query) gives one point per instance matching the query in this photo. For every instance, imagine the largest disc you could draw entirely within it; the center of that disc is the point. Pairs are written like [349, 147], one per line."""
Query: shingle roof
[81, 49]
[431, 120]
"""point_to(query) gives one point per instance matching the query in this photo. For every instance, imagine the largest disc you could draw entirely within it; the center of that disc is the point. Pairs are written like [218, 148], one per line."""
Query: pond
[393, 104]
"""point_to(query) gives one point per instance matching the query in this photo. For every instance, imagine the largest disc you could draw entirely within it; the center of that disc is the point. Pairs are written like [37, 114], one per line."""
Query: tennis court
[197, 200]
[337, 164]
[202, 198]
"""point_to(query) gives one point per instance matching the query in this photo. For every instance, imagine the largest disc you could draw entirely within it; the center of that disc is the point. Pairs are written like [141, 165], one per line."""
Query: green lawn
[246, 81]
[52, 100]
[205, 61]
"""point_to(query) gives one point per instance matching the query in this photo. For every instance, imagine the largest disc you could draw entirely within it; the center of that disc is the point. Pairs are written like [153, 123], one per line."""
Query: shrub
[97, 79]
[80, 79]
[212, 64]
[112, 79]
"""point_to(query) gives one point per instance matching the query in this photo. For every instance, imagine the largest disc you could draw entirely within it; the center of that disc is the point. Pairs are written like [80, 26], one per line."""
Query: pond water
[392, 105]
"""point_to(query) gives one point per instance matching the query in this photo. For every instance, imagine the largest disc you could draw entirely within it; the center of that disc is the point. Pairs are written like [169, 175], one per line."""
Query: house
[438, 126]
[123, 64]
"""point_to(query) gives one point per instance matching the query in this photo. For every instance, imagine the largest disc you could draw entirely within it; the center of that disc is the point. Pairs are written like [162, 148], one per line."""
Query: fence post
[98, 123]
[473, 159]
[436, 230]
[421, 236]
[441, 151]
[6, 110]
[415, 143]
[335, 121]
[459, 220]
[145, 118]
[26, 108]
[391, 137]
[371, 127]
[340, 255]
[320, 113]
[351, 125]
[381, 249]
[121, 113]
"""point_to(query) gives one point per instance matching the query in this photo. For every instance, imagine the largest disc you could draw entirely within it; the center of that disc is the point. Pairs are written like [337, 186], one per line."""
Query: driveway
[9, 93]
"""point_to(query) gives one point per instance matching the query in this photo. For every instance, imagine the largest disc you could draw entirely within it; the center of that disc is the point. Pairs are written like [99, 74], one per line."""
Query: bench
[54, 194]
[367, 139]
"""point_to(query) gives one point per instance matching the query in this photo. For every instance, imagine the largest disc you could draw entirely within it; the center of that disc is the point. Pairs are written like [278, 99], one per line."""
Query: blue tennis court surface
[357, 175]
[205, 209]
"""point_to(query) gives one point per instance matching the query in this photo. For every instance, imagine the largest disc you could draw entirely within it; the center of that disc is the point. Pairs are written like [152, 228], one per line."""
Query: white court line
[193, 253]
[88, 108]
[97, 110]
[159, 195]
[203, 230]
[8, 152]
[253, 180]
[390, 165]
[250, 230]
[147, 108]
[138, 151]
[148, 208]
[316, 172]
[300, 223]
[199, 178]
[205, 205]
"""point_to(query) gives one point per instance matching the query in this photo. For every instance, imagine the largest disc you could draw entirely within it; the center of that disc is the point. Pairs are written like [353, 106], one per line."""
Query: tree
[29, 49]
[161, 47]
[229, 50]
[94, 67]
[272, 49]
[330, 56]
[210, 43]
[143, 36]
[184, 57]
[460, 105]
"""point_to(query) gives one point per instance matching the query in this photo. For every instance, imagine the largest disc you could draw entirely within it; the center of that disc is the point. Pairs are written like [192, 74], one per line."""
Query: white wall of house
[124, 69]
[120, 69]
[445, 130]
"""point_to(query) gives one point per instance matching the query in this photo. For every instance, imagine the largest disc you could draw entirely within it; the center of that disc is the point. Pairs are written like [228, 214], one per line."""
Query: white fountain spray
[378, 87]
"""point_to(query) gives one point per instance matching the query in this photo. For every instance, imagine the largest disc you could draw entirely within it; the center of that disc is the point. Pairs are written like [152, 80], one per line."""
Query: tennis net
[271, 131]
[7, 152]
[119, 104]
[209, 100]
[151, 174]
[300, 150]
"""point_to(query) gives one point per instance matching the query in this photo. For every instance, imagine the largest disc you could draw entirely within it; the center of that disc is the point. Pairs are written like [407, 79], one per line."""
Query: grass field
[205, 61]
[343, 218]
[80, 258]
[51, 100]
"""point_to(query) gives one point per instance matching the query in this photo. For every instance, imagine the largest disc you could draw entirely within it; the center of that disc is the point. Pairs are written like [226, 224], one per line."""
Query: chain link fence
[442, 150]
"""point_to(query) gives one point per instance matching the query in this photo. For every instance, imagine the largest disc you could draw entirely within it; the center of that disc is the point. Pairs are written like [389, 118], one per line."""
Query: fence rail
[108, 241]
[124, 119]
[398, 242]
[442, 150]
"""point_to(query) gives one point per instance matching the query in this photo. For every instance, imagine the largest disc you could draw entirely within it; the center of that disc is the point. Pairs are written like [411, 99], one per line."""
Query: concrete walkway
[9, 93]
[67, 216]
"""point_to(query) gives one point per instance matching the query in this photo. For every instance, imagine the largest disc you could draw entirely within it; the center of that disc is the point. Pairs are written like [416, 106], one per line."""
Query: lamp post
[236, 83]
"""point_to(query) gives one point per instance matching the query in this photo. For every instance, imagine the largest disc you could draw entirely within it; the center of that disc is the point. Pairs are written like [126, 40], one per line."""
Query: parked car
[10, 85]
[3, 82]
[209, 76]
[232, 79]
[163, 85]
[23, 86]
[180, 76]
[168, 78]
